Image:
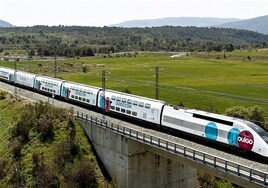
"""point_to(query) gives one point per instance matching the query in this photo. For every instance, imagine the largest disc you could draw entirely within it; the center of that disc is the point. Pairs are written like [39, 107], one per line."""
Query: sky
[106, 12]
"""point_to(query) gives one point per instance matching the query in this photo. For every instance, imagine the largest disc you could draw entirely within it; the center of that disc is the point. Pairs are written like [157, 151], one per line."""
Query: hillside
[74, 41]
[259, 24]
[5, 24]
[173, 21]
[39, 149]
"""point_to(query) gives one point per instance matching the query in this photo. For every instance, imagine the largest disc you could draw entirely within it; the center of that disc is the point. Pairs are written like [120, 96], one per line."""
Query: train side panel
[80, 93]
[25, 79]
[48, 85]
[7, 74]
[141, 108]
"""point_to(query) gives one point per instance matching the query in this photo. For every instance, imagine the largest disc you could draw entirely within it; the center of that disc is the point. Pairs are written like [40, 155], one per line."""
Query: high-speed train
[219, 128]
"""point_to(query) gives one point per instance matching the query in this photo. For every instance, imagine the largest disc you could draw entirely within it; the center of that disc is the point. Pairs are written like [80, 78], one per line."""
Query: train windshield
[263, 134]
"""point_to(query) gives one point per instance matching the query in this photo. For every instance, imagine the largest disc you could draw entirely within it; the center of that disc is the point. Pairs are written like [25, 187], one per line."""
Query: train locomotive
[219, 128]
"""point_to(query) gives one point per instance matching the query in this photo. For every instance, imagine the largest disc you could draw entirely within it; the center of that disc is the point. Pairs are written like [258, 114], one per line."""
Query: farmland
[200, 80]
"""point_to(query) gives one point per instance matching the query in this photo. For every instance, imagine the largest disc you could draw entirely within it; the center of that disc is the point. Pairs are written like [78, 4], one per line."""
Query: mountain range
[5, 24]
[258, 24]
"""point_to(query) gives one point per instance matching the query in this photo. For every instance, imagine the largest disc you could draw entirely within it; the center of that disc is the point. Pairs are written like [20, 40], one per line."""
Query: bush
[80, 174]
[253, 113]
[43, 176]
[16, 147]
[65, 153]
[2, 168]
[45, 127]
[2, 95]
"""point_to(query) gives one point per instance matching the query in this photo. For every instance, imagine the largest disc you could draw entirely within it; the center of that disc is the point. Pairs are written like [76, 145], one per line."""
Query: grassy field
[201, 80]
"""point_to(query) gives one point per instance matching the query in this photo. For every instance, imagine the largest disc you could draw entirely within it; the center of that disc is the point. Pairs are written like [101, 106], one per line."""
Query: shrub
[80, 174]
[16, 147]
[85, 69]
[253, 113]
[65, 153]
[2, 95]
[45, 127]
[43, 176]
[2, 168]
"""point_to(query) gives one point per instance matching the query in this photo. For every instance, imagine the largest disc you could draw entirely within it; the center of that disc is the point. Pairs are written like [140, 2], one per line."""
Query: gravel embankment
[36, 97]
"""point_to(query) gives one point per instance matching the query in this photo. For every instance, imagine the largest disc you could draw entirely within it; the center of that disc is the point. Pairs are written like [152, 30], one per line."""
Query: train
[234, 132]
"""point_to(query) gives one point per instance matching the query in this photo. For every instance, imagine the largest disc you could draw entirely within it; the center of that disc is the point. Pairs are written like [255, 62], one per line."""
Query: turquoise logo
[233, 136]
[211, 131]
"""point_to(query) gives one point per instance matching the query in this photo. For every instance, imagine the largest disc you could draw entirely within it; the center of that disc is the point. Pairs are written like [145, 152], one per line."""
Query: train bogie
[48, 85]
[80, 93]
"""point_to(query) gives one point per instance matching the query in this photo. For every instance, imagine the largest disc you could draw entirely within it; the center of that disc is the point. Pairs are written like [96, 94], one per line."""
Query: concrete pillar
[133, 164]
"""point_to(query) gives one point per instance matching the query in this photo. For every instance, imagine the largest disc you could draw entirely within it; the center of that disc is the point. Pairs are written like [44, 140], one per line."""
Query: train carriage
[7, 74]
[48, 85]
[25, 79]
[141, 108]
[80, 93]
[227, 130]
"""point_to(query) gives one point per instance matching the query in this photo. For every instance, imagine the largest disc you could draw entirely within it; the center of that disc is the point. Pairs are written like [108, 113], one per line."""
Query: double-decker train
[218, 128]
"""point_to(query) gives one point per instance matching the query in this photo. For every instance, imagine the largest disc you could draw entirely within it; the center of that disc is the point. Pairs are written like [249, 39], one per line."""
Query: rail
[252, 175]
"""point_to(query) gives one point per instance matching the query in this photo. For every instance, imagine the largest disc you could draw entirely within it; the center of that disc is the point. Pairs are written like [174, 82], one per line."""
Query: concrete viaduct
[136, 159]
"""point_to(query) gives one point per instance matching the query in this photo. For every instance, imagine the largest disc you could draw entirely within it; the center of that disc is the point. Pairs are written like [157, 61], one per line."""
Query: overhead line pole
[103, 91]
[156, 83]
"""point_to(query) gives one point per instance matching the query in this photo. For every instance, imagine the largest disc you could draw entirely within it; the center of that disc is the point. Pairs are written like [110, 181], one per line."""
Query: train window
[124, 100]
[112, 107]
[134, 113]
[88, 101]
[117, 109]
[72, 96]
[76, 97]
[84, 99]
[135, 103]
[129, 101]
[79, 98]
[147, 105]
[42, 88]
[141, 104]
[113, 97]
[84, 92]
[123, 110]
[118, 99]
[128, 112]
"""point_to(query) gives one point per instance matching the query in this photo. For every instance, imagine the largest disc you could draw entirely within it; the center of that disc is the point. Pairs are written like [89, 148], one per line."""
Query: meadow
[209, 81]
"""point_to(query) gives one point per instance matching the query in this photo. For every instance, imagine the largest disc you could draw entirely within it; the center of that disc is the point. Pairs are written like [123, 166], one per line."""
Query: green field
[201, 80]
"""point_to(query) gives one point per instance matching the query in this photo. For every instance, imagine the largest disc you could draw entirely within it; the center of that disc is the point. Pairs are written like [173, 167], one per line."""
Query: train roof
[29, 73]
[135, 96]
[50, 78]
[8, 69]
[84, 85]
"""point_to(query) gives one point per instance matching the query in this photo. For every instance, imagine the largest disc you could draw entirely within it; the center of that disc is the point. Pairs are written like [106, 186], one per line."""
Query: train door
[155, 115]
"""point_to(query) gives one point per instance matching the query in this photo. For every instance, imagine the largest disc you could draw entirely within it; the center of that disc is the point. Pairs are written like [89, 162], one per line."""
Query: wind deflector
[199, 116]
